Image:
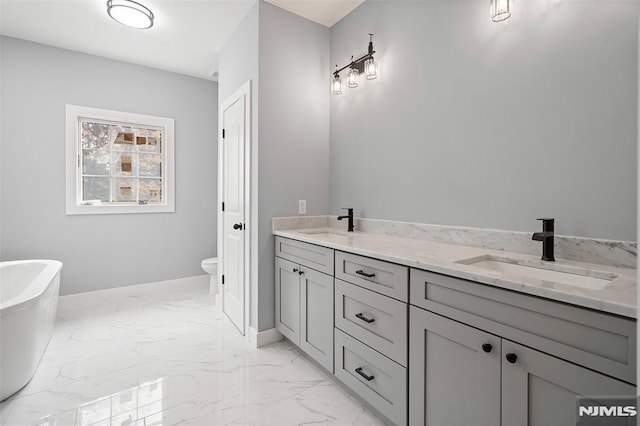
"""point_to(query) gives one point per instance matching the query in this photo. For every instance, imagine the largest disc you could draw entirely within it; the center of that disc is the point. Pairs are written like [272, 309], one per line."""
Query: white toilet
[210, 266]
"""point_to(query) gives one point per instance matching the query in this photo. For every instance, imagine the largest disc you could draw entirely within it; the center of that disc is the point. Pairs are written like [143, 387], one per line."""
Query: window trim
[74, 173]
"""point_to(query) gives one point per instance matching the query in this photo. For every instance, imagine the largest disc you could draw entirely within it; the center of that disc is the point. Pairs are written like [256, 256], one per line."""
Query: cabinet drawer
[599, 341]
[374, 377]
[310, 255]
[377, 275]
[374, 319]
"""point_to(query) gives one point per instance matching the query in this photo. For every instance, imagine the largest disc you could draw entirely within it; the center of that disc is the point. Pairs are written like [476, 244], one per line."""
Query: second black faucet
[348, 216]
[546, 236]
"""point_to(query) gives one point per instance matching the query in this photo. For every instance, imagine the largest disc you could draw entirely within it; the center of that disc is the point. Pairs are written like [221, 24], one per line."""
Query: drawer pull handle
[512, 358]
[487, 347]
[365, 319]
[368, 378]
[364, 274]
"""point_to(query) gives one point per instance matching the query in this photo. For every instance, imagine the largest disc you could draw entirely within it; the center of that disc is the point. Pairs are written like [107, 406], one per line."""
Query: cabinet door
[288, 300]
[316, 314]
[540, 390]
[454, 380]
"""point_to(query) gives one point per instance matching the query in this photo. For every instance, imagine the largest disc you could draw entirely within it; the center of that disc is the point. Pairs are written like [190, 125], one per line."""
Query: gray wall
[238, 63]
[286, 57]
[101, 251]
[294, 132]
[491, 125]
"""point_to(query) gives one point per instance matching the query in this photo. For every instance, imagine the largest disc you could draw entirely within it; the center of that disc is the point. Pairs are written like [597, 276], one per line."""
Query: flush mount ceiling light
[500, 10]
[130, 13]
[365, 64]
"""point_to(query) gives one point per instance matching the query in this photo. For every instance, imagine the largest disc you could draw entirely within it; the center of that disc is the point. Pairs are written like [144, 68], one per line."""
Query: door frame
[242, 91]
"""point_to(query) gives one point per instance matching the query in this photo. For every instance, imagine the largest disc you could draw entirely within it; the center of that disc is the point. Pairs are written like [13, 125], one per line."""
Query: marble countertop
[617, 297]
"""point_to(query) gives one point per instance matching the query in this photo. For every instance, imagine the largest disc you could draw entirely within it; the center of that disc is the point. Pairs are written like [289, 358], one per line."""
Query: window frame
[73, 136]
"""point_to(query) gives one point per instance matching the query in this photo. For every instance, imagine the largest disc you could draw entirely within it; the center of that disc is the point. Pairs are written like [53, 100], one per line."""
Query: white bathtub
[28, 302]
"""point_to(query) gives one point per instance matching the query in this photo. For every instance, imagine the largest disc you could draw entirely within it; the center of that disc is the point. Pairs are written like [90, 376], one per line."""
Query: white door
[233, 219]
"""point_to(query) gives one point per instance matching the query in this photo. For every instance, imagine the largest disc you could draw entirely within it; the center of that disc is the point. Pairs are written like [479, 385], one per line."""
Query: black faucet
[546, 236]
[348, 216]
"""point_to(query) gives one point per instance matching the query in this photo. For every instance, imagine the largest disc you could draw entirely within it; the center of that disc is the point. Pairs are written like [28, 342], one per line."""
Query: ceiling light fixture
[500, 10]
[365, 64]
[130, 13]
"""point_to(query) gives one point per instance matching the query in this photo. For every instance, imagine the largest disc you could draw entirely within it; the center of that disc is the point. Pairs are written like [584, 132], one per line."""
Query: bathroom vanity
[431, 333]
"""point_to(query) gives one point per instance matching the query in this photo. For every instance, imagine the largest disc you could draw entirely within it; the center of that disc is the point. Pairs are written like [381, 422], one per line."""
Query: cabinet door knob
[300, 272]
[365, 375]
[511, 357]
[295, 270]
[487, 347]
[237, 226]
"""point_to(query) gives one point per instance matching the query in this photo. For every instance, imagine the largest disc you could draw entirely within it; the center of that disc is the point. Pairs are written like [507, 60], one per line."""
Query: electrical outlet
[302, 206]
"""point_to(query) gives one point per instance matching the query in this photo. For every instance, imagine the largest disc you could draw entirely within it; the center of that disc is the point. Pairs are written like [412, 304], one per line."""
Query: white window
[118, 162]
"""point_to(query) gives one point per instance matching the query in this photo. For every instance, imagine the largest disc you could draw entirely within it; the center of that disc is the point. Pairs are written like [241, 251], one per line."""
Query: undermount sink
[323, 232]
[544, 271]
[329, 235]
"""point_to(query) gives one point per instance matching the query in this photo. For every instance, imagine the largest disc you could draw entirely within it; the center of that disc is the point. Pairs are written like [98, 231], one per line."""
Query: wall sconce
[353, 78]
[336, 83]
[364, 65]
[500, 10]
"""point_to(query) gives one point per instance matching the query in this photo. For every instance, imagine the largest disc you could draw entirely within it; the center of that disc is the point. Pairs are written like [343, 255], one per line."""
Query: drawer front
[309, 255]
[377, 275]
[605, 343]
[374, 377]
[374, 319]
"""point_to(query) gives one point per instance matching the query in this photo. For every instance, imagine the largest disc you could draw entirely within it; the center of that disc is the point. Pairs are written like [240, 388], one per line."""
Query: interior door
[233, 216]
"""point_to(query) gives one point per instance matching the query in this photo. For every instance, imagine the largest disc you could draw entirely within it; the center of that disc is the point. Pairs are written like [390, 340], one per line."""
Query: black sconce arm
[359, 63]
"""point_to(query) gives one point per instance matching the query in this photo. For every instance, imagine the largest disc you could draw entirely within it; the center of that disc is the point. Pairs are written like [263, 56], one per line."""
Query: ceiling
[186, 37]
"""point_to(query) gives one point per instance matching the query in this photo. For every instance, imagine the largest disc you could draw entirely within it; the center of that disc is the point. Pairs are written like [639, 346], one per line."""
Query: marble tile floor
[165, 355]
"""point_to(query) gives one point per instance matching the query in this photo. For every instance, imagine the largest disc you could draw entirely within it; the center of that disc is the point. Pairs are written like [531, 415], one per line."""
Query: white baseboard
[265, 337]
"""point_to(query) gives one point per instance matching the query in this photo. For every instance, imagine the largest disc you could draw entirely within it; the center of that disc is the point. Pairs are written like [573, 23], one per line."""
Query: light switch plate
[302, 206]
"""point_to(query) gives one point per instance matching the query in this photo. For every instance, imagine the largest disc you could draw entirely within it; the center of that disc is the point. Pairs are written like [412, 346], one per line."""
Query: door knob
[237, 226]
[487, 347]
[511, 357]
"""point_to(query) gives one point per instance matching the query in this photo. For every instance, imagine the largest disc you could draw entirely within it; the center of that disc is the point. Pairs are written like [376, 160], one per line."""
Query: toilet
[210, 266]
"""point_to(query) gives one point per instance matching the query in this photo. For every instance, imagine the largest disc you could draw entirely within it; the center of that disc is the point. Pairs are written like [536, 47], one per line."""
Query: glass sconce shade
[500, 10]
[370, 69]
[336, 85]
[354, 78]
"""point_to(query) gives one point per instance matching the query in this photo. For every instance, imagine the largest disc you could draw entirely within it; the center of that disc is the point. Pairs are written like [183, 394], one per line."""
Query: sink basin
[544, 271]
[325, 233]
[328, 235]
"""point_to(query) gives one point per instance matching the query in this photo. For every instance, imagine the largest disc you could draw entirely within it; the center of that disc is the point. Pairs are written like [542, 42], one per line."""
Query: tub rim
[43, 280]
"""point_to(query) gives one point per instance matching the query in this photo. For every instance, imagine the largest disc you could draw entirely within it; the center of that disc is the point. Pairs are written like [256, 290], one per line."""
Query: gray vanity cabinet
[316, 316]
[304, 300]
[288, 300]
[467, 369]
[455, 372]
[464, 376]
[538, 389]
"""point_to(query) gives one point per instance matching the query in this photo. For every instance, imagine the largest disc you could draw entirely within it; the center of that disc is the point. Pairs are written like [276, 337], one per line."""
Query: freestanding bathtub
[28, 302]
